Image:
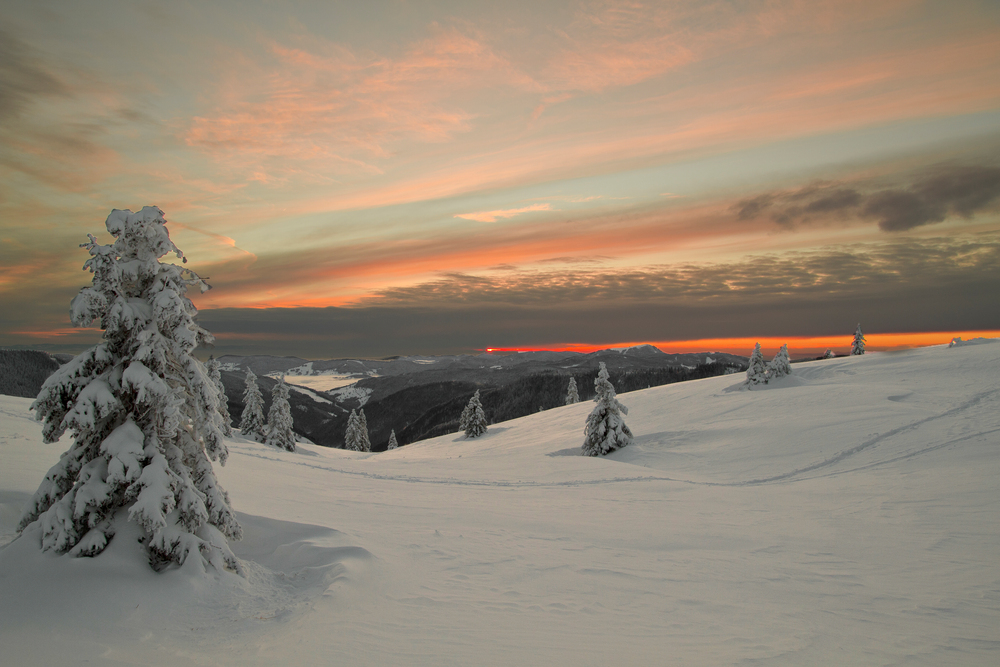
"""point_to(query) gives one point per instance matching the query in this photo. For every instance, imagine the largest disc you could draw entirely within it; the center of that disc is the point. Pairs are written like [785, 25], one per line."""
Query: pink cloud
[492, 216]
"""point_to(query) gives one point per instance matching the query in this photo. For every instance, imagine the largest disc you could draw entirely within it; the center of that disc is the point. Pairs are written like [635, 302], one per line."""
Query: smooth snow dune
[846, 514]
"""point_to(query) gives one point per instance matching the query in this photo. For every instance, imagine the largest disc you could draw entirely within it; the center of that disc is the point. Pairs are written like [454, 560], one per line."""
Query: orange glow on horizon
[841, 344]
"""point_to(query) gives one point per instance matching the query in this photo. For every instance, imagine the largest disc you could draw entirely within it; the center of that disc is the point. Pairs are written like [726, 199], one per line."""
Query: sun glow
[797, 345]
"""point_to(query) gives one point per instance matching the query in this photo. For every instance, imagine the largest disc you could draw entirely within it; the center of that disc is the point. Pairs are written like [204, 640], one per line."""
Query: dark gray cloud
[22, 78]
[943, 191]
[934, 285]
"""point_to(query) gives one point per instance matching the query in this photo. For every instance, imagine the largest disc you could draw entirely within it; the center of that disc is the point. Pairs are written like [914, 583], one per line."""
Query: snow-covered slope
[845, 515]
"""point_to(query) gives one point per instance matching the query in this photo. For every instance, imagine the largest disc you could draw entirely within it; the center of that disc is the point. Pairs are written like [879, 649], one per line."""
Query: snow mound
[958, 342]
[287, 566]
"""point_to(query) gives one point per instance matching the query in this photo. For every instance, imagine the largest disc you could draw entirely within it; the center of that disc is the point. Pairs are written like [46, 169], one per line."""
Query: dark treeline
[22, 372]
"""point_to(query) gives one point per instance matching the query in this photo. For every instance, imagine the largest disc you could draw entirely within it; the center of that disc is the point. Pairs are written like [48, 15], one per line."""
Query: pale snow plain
[848, 514]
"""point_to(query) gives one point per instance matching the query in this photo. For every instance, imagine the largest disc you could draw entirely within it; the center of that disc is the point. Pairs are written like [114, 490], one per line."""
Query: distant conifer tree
[605, 431]
[364, 442]
[216, 376]
[279, 418]
[858, 346]
[781, 365]
[572, 395]
[392, 440]
[252, 419]
[757, 372]
[351, 434]
[473, 420]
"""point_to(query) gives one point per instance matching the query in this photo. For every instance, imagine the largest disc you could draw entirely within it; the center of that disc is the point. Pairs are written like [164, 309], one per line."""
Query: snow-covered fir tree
[392, 440]
[829, 354]
[757, 372]
[364, 441]
[279, 418]
[356, 437]
[351, 432]
[781, 365]
[605, 431]
[473, 419]
[143, 411]
[252, 419]
[572, 395]
[858, 346]
[216, 375]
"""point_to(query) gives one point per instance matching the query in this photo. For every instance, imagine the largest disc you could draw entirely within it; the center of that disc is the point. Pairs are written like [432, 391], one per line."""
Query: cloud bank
[933, 285]
[939, 193]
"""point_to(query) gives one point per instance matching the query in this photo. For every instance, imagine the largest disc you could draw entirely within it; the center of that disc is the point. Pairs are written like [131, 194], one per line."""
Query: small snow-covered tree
[279, 418]
[829, 354]
[572, 395]
[605, 431]
[757, 372]
[351, 433]
[143, 411]
[781, 365]
[392, 440]
[364, 441]
[356, 437]
[858, 346]
[216, 376]
[252, 419]
[473, 419]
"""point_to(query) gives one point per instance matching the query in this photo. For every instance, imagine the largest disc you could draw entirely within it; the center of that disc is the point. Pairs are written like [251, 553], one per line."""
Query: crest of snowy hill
[421, 397]
[844, 515]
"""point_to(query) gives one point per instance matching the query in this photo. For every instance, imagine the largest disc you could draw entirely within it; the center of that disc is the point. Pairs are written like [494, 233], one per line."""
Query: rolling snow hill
[844, 515]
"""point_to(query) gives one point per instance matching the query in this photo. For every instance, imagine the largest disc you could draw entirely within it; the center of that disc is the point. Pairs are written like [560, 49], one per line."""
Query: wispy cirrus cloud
[493, 216]
[324, 103]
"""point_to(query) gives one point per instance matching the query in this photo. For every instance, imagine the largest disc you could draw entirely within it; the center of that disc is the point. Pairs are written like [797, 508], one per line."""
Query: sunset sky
[401, 177]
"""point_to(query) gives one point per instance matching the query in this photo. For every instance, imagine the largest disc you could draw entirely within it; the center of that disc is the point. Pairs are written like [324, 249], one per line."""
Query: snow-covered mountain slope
[845, 515]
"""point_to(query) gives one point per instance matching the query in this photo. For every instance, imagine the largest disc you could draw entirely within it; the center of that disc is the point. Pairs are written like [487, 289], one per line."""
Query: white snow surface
[362, 394]
[843, 515]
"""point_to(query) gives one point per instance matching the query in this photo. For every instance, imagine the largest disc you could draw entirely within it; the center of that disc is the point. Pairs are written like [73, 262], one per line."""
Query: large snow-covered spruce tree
[605, 431]
[279, 418]
[858, 346]
[572, 395]
[757, 370]
[142, 409]
[473, 419]
[252, 420]
[216, 375]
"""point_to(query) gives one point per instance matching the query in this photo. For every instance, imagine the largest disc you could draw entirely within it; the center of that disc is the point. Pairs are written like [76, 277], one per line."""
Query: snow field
[845, 514]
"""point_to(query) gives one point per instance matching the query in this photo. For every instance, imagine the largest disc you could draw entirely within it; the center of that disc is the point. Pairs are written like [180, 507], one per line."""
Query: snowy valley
[845, 514]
